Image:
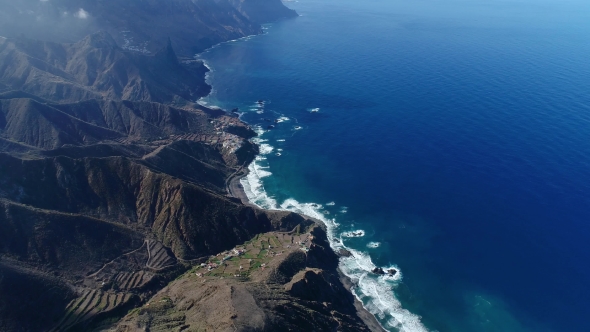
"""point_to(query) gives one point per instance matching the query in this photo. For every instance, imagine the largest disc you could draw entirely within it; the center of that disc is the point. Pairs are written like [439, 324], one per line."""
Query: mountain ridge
[114, 181]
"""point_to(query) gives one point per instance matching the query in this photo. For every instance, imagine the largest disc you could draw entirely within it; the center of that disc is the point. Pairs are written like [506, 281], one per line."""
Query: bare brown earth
[274, 282]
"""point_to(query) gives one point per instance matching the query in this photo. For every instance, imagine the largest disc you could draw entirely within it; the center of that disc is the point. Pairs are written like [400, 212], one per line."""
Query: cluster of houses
[226, 256]
[228, 141]
[304, 245]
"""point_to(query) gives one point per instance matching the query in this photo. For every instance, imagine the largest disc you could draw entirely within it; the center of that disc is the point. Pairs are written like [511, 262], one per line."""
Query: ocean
[449, 140]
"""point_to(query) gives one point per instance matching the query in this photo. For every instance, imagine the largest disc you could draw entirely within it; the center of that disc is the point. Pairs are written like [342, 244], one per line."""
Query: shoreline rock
[344, 253]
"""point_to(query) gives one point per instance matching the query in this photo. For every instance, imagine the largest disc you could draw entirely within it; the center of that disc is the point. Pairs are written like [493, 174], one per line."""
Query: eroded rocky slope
[275, 282]
[138, 25]
[105, 193]
[114, 182]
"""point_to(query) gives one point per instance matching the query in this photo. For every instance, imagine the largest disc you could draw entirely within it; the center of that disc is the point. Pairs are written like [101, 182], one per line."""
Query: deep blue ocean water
[455, 134]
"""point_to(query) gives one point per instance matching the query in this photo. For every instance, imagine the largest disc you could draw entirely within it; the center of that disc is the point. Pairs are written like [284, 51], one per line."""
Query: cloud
[82, 14]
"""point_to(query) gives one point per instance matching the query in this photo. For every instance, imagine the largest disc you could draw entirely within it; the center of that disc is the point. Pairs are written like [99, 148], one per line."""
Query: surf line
[357, 268]
[375, 292]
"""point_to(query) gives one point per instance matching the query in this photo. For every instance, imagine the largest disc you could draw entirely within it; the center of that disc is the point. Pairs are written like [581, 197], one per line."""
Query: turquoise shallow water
[455, 135]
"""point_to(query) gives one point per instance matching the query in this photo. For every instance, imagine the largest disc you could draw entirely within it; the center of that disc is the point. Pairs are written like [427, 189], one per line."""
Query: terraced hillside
[278, 281]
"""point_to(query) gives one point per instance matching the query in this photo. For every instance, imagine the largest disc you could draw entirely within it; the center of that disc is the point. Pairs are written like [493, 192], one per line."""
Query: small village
[254, 255]
[217, 135]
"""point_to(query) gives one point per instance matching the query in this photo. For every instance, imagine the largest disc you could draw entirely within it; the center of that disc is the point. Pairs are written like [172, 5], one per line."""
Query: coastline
[367, 317]
[236, 190]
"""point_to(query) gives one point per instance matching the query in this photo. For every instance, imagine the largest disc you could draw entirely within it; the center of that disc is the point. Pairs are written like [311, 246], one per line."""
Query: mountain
[138, 25]
[115, 185]
[262, 11]
[96, 67]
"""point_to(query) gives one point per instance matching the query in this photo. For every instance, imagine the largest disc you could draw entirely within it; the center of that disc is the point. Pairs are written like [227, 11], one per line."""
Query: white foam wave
[280, 140]
[331, 204]
[344, 209]
[373, 245]
[265, 148]
[282, 119]
[357, 233]
[258, 130]
[206, 64]
[375, 291]
[314, 110]
[254, 188]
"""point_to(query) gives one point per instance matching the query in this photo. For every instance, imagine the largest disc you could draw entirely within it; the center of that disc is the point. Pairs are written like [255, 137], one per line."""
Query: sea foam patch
[356, 233]
[376, 292]
[373, 245]
[265, 148]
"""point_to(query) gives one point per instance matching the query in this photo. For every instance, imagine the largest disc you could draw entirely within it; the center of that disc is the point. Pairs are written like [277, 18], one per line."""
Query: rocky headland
[119, 209]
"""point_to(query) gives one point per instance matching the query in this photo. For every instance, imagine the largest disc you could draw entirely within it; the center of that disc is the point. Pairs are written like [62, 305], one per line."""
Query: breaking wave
[376, 292]
[373, 245]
